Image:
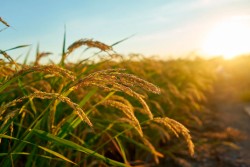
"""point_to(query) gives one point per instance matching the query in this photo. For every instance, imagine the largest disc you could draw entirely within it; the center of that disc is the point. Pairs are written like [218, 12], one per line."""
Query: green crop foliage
[112, 111]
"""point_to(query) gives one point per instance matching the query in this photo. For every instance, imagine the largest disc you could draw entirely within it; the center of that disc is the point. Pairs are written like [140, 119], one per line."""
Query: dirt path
[229, 113]
[224, 138]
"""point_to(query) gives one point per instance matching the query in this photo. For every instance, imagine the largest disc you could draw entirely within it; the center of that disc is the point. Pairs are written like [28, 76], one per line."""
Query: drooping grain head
[45, 95]
[114, 80]
[128, 111]
[89, 43]
[41, 55]
[51, 69]
[178, 129]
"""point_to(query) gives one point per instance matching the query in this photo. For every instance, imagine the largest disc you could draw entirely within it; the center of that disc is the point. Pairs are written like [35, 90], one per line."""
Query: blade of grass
[123, 154]
[64, 41]
[116, 43]
[67, 143]
[27, 153]
[87, 97]
[63, 47]
[67, 127]
[122, 40]
[31, 158]
[27, 56]
[72, 123]
[41, 147]
[37, 49]
[17, 47]
[121, 134]
[27, 135]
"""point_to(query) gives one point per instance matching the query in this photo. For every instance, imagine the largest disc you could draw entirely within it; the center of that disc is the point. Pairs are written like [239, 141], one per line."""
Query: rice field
[111, 110]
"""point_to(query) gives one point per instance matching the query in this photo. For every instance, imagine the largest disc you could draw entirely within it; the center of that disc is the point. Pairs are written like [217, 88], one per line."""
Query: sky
[167, 28]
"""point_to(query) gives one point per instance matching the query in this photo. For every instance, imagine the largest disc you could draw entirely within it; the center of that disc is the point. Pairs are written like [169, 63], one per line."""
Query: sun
[228, 39]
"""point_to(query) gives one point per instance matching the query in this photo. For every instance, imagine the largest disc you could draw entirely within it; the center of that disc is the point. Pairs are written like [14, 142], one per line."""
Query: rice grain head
[41, 55]
[89, 43]
[128, 111]
[114, 80]
[177, 128]
[51, 69]
[153, 150]
[44, 95]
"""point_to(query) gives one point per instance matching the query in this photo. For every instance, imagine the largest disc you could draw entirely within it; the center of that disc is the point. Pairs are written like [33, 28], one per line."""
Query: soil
[224, 138]
[229, 126]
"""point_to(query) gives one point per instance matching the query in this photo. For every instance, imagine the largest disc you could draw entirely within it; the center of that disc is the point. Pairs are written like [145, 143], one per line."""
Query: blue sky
[161, 27]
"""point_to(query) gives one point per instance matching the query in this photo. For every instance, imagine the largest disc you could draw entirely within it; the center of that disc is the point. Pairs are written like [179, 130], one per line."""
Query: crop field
[116, 110]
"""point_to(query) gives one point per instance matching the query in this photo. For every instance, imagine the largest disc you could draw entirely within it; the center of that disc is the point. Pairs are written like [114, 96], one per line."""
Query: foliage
[99, 112]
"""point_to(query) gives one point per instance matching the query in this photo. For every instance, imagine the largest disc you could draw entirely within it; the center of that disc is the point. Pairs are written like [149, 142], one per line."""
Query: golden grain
[153, 150]
[44, 95]
[51, 69]
[177, 128]
[90, 44]
[41, 55]
[113, 79]
[128, 111]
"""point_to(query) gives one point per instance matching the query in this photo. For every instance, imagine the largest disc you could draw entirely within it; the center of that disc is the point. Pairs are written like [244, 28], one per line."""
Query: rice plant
[108, 109]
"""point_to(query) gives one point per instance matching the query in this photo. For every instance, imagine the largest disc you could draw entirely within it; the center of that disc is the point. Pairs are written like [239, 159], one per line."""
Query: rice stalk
[9, 58]
[41, 55]
[153, 150]
[6, 69]
[5, 119]
[114, 80]
[177, 128]
[51, 69]
[165, 136]
[128, 111]
[90, 43]
[44, 95]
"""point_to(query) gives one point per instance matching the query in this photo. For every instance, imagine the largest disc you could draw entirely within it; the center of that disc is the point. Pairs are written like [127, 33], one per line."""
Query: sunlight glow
[228, 39]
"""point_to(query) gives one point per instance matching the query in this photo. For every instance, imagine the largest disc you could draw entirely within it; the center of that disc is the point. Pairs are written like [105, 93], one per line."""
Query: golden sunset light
[228, 38]
[127, 83]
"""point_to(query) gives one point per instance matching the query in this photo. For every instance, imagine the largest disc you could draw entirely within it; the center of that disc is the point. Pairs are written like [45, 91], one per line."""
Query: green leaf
[63, 47]
[56, 154]
[17, 47]
[122, 150]
[72, 123]
[27, 56]
[87, 97]
[41, 147]
[25, 153]
[122, 40]
[70, 144]
[64, 41]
